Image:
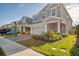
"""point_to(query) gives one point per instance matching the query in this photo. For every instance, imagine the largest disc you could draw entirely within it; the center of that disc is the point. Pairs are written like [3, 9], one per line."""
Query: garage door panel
[37, 30]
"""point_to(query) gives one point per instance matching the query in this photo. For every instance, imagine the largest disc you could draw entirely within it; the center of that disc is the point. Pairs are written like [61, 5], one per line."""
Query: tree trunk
[77, 41]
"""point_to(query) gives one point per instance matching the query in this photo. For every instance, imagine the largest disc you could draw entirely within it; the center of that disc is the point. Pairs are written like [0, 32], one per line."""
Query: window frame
[54, 11]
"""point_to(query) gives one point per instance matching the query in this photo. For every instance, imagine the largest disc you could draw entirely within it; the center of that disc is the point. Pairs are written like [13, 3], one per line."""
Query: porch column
[21, 29]
[45, 27]
[58, 27]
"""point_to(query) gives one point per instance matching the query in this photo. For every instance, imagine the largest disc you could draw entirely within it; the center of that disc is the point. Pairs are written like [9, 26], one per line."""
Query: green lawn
[46, 47]
[66, 43]
[1, 52]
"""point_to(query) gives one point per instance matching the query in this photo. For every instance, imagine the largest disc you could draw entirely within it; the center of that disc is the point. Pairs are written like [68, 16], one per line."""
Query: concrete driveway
[14, 49]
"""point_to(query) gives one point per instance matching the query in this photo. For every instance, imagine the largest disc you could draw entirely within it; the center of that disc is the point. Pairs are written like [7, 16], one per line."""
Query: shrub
[46, 36]
[74, 51]
[51, 36]
[23, 33]
[36, 37]
[54, 36]
[64, 34]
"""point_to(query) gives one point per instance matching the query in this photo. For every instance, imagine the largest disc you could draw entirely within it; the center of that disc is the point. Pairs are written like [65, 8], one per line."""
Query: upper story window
[48, 12]
[39, 16]
[53, 12]
[43, 15]
[58, 11]
[35, 18]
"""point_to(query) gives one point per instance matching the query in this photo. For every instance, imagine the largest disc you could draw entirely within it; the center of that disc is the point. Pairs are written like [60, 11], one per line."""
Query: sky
[73, 10]
[13, 12]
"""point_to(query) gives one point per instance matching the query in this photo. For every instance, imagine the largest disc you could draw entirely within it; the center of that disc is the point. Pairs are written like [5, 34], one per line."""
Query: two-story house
[53, 17]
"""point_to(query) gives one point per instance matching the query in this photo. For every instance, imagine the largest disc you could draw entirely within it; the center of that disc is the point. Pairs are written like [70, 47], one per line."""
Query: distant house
[25, 24]
[4, 29]
[15, 26]
[53, 17]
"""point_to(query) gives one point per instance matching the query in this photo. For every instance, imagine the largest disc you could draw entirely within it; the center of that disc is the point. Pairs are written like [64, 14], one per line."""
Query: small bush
[46, 36]
[54, 36]
[64, 34]
[23, 33]
[51, 36]
[36, 37]
[74, 51]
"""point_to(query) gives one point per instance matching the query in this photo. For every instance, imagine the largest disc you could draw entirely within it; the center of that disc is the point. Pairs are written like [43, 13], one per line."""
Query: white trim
[52, 17]
[51, 11]
[49, 23]
[52, 21]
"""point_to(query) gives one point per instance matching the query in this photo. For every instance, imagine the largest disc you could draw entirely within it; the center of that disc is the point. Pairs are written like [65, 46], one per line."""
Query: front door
[52, 27]
[27, 30]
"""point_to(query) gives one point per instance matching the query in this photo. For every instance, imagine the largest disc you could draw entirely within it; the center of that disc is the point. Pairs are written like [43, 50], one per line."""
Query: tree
[77, 32]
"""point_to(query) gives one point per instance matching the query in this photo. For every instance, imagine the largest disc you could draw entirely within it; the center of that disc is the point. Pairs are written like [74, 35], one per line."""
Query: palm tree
[77, 32]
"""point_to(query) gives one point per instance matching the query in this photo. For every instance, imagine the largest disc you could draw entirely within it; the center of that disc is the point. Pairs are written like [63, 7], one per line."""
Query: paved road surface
[13, 48]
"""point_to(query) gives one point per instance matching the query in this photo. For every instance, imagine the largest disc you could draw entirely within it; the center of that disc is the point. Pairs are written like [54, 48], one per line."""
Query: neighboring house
[4, 28]
[25, 24]
[15, 26]
[53, 17]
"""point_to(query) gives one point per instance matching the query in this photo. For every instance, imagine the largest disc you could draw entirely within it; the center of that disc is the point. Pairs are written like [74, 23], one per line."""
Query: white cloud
[73, 10]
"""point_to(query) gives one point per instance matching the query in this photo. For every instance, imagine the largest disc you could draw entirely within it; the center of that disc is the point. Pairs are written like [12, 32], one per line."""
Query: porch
[56, 27]
[25, 30]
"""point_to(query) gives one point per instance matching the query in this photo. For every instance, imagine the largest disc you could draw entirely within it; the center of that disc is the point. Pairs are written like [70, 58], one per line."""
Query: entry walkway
[15, 49]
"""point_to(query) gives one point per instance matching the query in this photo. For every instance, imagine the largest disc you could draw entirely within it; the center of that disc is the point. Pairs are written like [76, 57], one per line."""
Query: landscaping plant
[64, 35]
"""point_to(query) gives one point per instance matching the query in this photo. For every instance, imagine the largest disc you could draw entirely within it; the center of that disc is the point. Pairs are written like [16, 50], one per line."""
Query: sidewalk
[27, 52]
[14, 49]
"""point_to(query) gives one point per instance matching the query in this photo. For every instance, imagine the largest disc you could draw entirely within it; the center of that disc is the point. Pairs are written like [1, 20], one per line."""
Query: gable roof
[27, 20]
[66, 11]
[51, 5]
